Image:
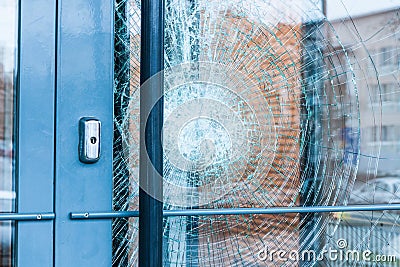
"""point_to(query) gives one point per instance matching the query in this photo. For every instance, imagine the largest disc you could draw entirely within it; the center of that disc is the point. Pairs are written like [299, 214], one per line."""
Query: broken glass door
[267, 104]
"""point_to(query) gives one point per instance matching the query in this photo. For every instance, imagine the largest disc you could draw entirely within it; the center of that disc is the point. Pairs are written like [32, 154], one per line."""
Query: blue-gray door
[27, 89]
[84, 88]
[56, 65]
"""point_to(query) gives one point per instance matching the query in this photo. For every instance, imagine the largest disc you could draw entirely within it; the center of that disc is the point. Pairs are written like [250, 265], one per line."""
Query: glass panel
[126, 136]
[8, 48]
[370, 35]
[267, 103]
[343, 239]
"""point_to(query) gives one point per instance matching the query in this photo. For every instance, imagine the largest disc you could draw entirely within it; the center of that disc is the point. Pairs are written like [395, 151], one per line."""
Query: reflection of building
[371, 42]
[2, 95]
[6, 122]
[6, 166]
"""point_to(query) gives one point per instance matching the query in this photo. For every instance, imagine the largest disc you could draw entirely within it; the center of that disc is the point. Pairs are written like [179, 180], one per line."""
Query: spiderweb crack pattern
[301, 116]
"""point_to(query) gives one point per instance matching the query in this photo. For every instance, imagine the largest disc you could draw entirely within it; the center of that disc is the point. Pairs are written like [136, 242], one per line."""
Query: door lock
[89, 140]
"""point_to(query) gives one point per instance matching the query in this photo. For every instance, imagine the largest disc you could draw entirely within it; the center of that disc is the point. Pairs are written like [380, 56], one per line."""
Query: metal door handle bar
[236, 211]
[45, 216]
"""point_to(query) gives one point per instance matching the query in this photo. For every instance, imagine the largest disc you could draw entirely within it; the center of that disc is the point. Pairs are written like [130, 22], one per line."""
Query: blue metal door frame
[35, 132]
[65, 68]
[84, 88]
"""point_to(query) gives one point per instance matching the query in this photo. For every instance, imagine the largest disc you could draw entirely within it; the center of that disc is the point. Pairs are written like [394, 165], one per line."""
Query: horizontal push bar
[104, 215]
[27, 216]
[236, 211]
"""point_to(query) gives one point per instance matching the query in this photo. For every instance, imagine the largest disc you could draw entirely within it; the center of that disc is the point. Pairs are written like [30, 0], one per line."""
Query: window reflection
[8, 30]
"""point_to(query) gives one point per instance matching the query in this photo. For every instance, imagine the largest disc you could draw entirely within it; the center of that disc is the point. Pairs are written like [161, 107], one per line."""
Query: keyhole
[93, 140]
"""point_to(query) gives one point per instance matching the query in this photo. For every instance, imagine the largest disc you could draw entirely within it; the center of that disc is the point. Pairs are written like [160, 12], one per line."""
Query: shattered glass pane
[267, 103]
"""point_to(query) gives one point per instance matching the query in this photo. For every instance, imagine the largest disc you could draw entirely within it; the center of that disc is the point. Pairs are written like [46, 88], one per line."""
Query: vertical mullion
[151, 120]
[311, 121]
[35, 129]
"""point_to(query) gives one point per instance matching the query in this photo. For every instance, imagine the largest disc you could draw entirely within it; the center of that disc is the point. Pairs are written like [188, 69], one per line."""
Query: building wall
[372, 45]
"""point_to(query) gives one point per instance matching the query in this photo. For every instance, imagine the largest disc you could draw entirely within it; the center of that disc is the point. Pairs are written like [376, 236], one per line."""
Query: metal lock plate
[89, 140]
